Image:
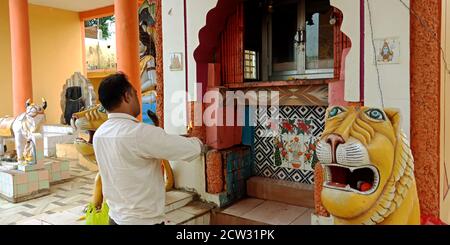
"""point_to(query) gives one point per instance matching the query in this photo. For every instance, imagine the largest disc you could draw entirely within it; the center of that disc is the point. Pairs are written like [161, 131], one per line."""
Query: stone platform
[20, 183]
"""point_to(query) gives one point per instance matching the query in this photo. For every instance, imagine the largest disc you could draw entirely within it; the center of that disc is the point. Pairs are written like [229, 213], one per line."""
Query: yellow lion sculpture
[368, 168]
[92, 119]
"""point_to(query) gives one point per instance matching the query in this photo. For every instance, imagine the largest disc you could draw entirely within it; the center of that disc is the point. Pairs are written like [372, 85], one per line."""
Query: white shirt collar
[122, 115]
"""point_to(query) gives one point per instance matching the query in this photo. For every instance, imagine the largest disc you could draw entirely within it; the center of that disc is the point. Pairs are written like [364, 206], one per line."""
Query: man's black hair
[112, 90]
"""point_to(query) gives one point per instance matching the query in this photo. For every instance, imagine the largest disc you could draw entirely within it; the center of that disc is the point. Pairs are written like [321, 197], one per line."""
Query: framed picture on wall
[176, 61]
[388, 50]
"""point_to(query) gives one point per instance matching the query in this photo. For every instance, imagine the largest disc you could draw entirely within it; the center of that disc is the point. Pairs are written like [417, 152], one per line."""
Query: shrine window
[250, 65]
[294, 38]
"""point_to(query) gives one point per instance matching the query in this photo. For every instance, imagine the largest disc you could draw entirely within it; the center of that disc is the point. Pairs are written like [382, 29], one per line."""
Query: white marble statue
[22, 128]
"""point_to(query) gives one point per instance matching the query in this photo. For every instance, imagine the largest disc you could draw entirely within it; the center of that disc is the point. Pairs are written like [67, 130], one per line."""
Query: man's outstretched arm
[154, 142]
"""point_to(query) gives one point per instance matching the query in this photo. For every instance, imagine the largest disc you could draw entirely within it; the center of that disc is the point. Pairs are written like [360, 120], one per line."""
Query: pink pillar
[20, 54]
[336, 90]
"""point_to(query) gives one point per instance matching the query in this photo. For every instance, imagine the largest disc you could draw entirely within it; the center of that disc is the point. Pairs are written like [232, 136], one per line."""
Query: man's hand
[153, 117]
[189, 128]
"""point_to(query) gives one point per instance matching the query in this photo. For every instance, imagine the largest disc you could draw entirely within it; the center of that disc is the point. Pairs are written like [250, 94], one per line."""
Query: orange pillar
[20, 54]
[127, 41]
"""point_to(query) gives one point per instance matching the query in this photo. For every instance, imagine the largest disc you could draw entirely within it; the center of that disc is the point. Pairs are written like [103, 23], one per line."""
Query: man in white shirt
[129, 156]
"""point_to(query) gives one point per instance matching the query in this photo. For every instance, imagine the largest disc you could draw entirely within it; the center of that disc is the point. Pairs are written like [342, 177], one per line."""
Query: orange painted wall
[96, 77]
[56, 53]
[6, 105]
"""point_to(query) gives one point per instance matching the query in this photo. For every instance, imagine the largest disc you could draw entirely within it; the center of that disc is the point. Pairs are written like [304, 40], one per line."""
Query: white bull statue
[22, 128]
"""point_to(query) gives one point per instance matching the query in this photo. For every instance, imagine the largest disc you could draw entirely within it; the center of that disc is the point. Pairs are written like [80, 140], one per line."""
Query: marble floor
[66, 202]
[253, 211]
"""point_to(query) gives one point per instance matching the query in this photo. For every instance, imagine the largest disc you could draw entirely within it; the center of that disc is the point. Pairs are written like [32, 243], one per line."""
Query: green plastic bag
[97, 217]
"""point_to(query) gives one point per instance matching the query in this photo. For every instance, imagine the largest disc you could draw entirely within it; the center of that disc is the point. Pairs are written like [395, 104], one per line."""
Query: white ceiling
[72, 5]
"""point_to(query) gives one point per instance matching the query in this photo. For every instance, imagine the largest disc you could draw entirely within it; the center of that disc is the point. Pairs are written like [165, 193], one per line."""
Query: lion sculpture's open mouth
[348, 168]
[361, 180]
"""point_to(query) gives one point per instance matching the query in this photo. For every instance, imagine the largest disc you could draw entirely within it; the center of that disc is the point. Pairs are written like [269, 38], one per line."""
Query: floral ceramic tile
[310, 121]
[295, 145]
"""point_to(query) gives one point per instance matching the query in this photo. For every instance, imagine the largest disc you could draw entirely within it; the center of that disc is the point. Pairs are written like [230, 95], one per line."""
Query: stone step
[252, 211]
[194, 213]
[176, 199]
[66, 151]
[288, 192]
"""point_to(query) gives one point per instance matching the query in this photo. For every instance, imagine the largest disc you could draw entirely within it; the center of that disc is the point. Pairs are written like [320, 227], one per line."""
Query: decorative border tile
[313, 95]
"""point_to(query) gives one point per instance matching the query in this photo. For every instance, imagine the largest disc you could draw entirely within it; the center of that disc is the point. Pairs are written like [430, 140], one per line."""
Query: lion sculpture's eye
[335, 111]
[376, 114]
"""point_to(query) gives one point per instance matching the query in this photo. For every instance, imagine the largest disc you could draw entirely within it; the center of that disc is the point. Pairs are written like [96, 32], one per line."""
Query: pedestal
[18, 186]
[19, 183]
